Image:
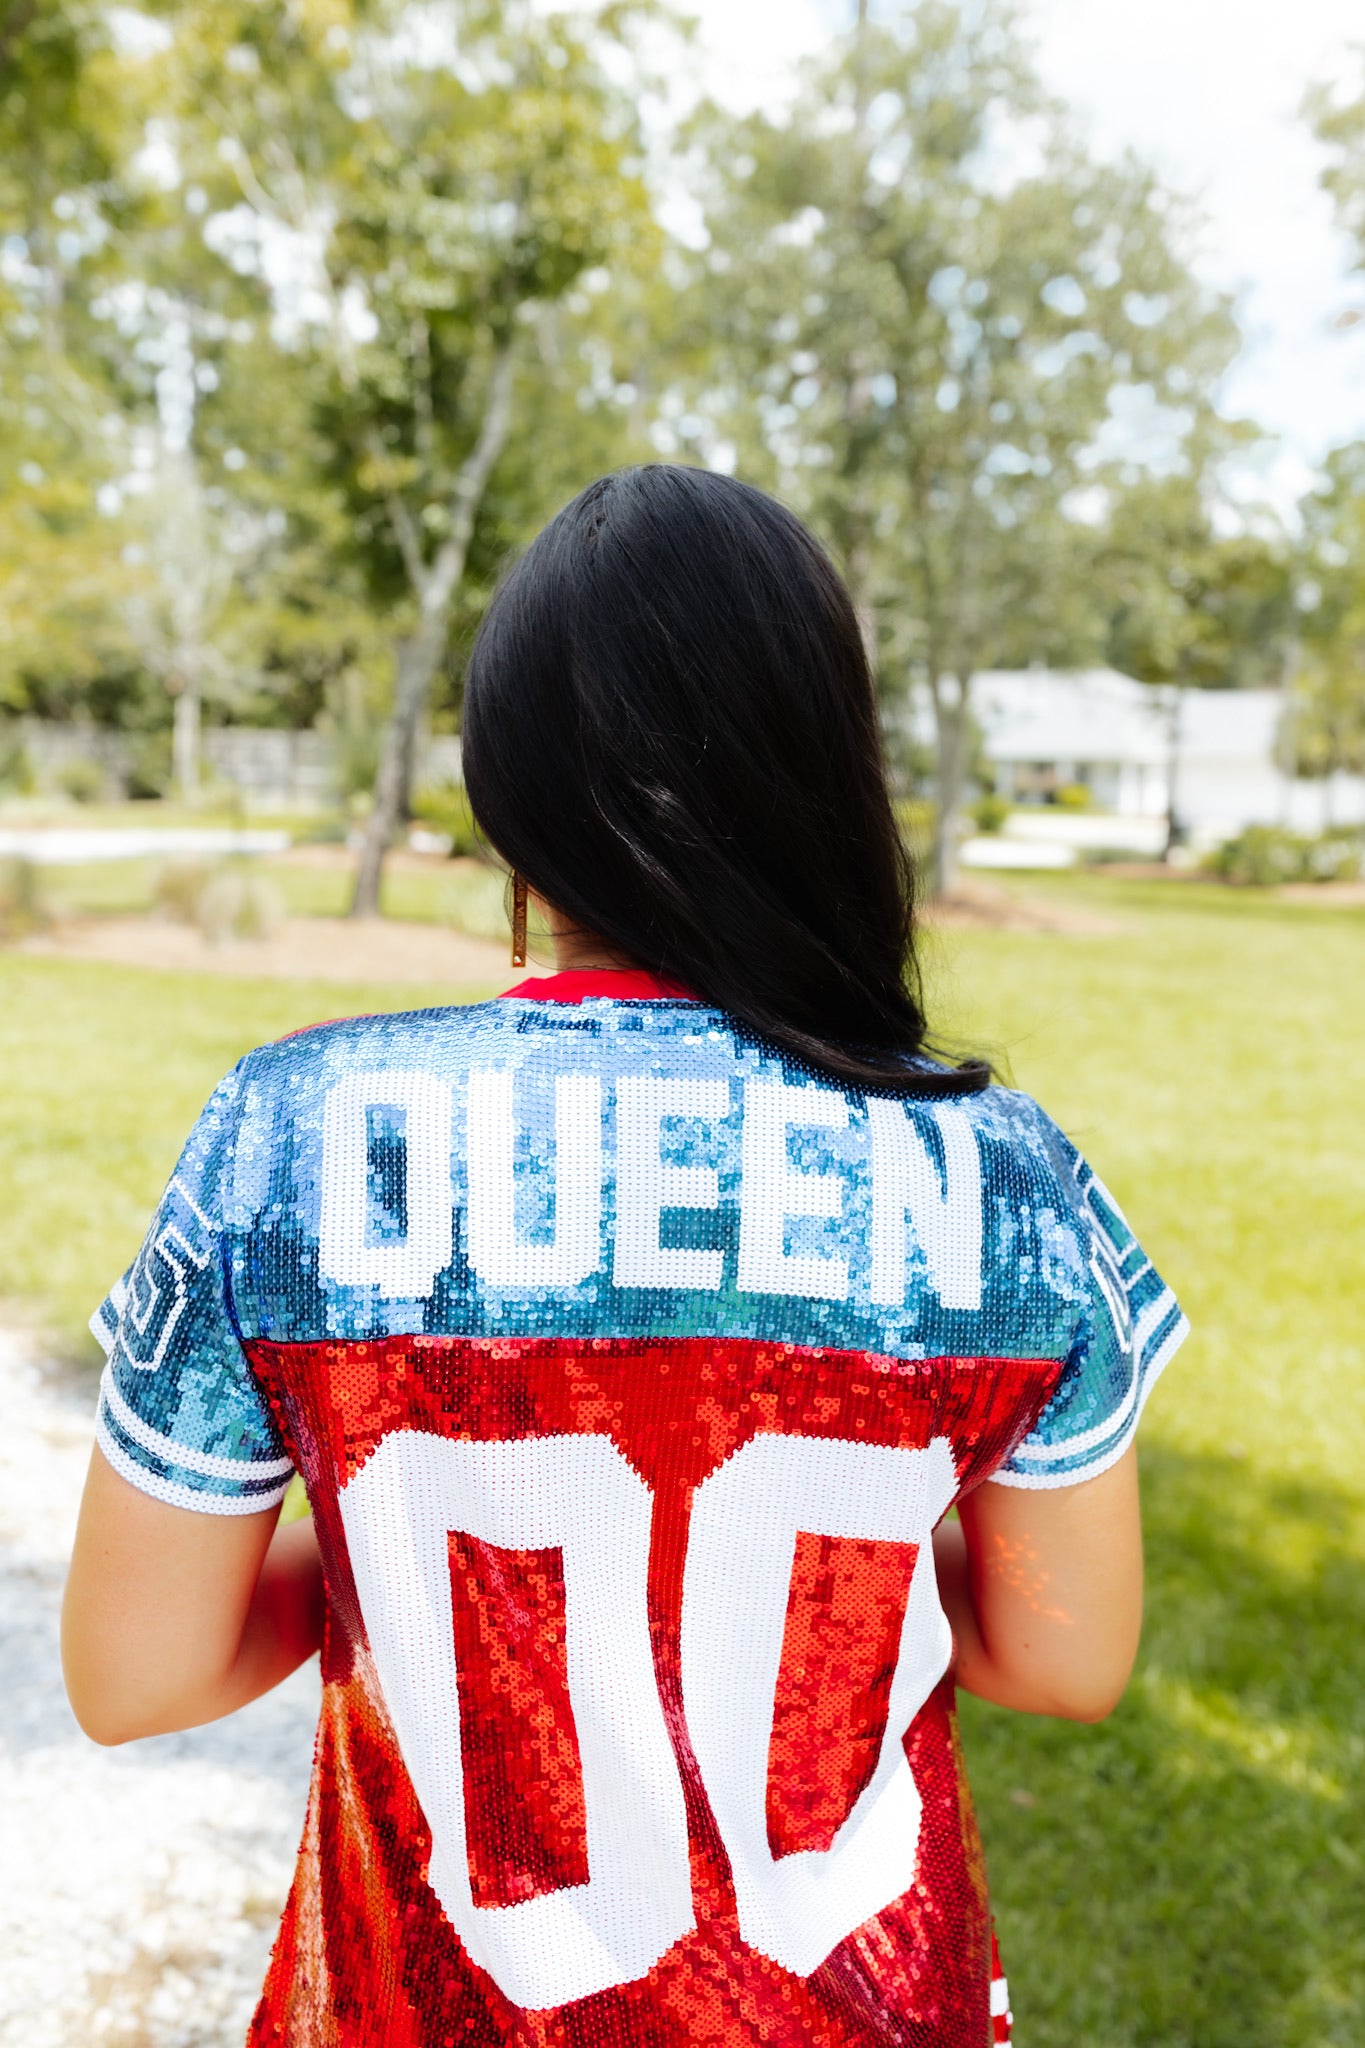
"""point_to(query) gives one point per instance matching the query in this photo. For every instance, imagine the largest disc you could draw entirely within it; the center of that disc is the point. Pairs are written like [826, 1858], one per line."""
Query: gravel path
[139, 1888]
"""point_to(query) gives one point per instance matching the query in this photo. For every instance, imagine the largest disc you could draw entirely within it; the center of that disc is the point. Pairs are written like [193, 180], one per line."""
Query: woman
[634, 1334]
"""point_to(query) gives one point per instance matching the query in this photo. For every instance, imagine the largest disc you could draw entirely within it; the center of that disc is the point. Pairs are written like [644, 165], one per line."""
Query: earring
[518, 920]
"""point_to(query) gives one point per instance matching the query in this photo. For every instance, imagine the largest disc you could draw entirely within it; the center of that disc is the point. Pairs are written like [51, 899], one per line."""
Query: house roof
[1091, 716]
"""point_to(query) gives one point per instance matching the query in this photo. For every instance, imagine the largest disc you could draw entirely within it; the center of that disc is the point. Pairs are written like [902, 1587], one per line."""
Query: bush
[1071, 796]
[1263, 856]
[177, 888]
[238, 903]
[916, 821]
[989, 813]
[149, 769]
[224, 903]
[443, 807]
[16, 769]
[83, 780]
[23, 908]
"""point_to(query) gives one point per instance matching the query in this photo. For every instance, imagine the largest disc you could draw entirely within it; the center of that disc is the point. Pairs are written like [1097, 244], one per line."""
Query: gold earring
[518, 920]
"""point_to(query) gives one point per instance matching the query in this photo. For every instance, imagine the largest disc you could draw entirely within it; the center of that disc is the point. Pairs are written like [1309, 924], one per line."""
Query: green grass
[159, 814]
[463, 893]
[104, 1071]
[1192, 1873]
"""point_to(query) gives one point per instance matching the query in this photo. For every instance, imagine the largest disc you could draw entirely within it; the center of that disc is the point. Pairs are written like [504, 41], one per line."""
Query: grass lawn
[465, 893]
[1192, 1873]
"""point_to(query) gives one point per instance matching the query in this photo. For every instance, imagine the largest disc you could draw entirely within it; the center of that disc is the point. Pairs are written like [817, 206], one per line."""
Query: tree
[1326, 713]
[125, 551]
[936, 314]
[61, 433]
[441, 176]
[1187, 600]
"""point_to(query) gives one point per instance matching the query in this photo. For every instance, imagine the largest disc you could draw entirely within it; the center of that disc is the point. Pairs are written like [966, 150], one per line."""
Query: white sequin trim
[190, 1460]
[1076, 1475]
[178, 1496]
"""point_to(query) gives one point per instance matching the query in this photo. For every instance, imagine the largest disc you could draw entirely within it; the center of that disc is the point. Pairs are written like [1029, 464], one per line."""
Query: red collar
[626, 984]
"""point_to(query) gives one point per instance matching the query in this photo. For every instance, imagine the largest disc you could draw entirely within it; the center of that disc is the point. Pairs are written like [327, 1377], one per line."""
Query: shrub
[225, 903]
[1336, 857]
[1071, 796]
[916, 821]
[83, 780]
[177, 888]
[149, 768]
[238, 903]
[444, 807]
[1263, 856]
[23, 908]
[989, 813]
[16, 769]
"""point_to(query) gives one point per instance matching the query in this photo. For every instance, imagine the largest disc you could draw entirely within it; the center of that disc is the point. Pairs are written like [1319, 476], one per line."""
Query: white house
[1042, 731]
[1125, 741]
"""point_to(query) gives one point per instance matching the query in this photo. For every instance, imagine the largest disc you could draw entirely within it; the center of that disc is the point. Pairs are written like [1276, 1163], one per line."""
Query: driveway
[139, 1888]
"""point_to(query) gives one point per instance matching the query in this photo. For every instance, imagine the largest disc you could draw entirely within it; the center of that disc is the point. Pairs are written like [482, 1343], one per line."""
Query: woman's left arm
[173, 1618]
[1043, 1589]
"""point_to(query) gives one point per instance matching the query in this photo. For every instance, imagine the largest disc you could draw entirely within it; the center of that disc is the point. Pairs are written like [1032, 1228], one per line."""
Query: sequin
[629, 1369]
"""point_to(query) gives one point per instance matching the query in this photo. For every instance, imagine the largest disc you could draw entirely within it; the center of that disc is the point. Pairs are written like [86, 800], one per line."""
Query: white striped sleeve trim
[178, 1496]
[184, 1455]
[1090, 1439]
[1000, 1998]
[1075, 1475]
[103, 1325]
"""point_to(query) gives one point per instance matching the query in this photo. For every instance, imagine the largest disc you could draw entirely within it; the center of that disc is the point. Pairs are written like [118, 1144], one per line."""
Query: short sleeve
[1130, 1326]
[180, 1413]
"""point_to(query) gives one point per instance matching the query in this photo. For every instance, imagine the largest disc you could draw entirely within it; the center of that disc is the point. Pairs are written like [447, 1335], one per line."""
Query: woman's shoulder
[413, 1037]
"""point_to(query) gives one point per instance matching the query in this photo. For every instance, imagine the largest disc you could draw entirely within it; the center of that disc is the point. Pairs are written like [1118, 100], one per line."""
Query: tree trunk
[407, 780]
[950, 727]
[418, 660]
[858, 577]
[185, 740]
[1175, 831]
[1286, 748]
[420, 657]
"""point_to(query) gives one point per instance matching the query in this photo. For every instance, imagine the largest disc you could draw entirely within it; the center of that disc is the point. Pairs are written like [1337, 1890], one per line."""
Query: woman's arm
[1043, 1589]
[172, 1618]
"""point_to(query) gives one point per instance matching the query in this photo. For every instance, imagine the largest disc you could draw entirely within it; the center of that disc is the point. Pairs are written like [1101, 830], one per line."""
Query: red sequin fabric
[367, 1954]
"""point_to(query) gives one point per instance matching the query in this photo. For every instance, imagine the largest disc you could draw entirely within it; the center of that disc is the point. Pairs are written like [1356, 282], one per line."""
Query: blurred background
[1051, 320]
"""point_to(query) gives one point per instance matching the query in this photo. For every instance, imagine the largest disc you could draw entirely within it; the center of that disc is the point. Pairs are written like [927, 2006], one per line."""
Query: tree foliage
[1326, 734]
[1328, 727]
[312, 310]
[440, 181]
[937, 313]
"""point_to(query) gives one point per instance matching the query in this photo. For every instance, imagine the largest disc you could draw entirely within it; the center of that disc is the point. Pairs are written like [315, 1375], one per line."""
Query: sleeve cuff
[1062, 1465]
[178, 1473]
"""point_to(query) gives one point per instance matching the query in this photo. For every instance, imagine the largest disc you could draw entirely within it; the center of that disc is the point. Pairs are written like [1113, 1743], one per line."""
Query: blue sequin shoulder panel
[617, 1170]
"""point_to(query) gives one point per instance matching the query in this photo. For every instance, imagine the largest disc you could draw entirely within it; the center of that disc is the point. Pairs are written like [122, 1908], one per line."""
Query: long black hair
[670, 731]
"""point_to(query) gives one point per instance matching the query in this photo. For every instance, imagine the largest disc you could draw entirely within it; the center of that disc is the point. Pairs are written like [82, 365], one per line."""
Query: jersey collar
[623, 984]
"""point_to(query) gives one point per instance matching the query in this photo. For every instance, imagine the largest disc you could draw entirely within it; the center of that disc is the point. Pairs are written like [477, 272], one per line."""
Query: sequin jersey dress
[629, 1369]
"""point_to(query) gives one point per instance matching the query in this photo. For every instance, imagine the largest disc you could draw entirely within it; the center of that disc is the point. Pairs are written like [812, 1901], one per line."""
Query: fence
[267, 768]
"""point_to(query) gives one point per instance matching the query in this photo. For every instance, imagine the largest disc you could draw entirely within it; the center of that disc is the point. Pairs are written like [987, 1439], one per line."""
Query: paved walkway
[62, 845]
[139, 1888]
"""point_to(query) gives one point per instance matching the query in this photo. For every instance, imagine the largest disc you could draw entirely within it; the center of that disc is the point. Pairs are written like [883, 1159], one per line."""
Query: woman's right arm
[1043, 1588]
[173, 1618]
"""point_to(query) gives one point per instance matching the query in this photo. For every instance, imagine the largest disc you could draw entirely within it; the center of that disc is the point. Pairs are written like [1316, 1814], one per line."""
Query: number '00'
[580, 1494]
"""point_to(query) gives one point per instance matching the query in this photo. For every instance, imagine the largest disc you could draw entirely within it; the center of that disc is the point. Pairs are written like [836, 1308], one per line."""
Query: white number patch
[580, 1494]
[740, 1551]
